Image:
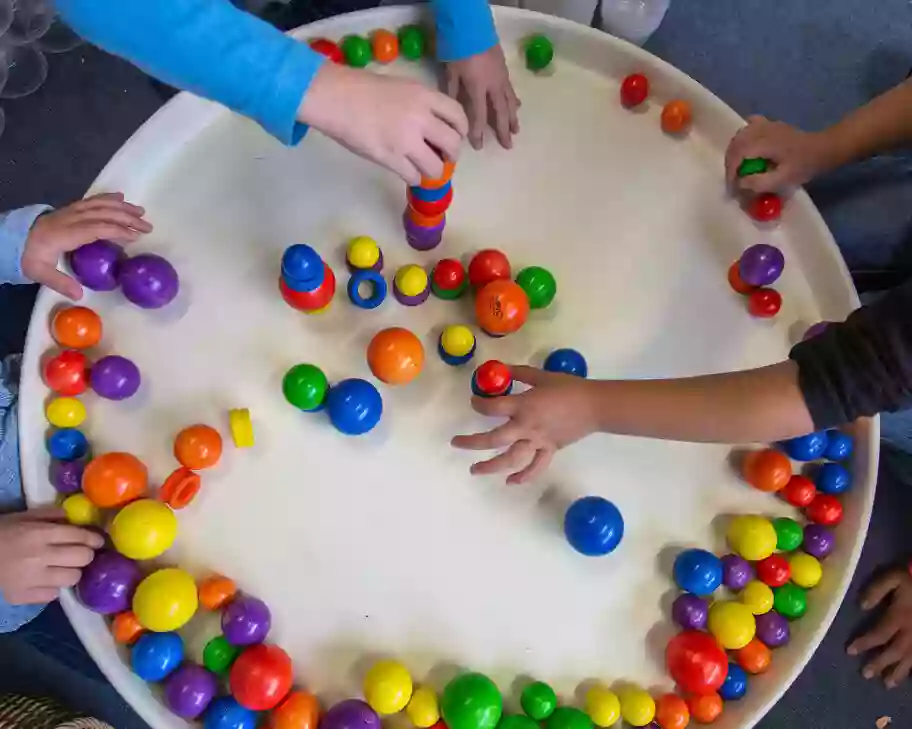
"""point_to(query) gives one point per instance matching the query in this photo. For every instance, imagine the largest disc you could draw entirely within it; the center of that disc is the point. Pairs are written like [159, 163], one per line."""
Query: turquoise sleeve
[14, 230]
[464, 28]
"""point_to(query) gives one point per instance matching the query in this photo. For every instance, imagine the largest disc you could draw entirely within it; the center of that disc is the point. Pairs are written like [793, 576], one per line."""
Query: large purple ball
[818, 540]
[108, 583]
[97, 265]
[350, 714]
[736, 572]
[246, 621]
[114, 377]
[149, 281]
[772, 629]
[761, 265]
[690, 611]
[66, 476]
[189, 690]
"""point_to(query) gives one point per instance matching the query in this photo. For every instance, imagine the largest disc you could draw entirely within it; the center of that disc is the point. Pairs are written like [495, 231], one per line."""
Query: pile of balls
[383, 46]
[759, 267]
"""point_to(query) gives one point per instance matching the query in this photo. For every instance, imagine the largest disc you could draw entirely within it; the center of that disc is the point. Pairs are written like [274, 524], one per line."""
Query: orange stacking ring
[430, 183]
[424, 221]
[430, 208]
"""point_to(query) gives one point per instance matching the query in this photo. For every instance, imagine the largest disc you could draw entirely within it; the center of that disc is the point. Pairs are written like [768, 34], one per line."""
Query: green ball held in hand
[539, 285]
[219, 655]
[357, 51]
[412, 42]
[305, 386]
[753, 166]
[538, 700]
[539, 53]
[471, 701]
[566, 717]
[789, 534]
[790, 601]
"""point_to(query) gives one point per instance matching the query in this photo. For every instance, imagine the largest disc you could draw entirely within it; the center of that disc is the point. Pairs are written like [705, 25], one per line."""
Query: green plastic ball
[752, 166]
[305, 386]
[219, 655]
[357, 51]
[789, 534]
[471, 701]
[517, 721]
[790, 601]
[566, 717]
[539, 285]
[412, 42]
[539, 52]
[538, 700]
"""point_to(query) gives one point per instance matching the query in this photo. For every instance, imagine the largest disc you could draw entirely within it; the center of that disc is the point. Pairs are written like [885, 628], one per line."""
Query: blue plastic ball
[567, 362]
[226, 713]
[354, 406]
[833, 479]
[593, 526]
[156, 655]
[698, 572]
[735, 685]
[808, 447]
[302, 268]
[67, 444]
[839, 445]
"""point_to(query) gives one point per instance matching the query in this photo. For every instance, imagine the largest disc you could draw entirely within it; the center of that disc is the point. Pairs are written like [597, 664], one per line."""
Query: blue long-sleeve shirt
[217, 51]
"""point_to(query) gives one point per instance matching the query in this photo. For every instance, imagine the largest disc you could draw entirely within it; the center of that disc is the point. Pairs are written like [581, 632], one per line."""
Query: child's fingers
[67, 534]
[452, 84]
[103, 202]
[36, 596]
[502, 119]
[477, 114]
[403, 167]
[100, 198]
[881, 588]
[450, 111]
[889, 656]
[513, 104]
[766, 181]
[540, 461]
[114, 216]
[900, 672]
[515, 458]
[426, 161]
[529, 375]
[499, 437]
[70, 556]
[91, 231]
[879, 636]
[444, 138]
[43, 513]
[60, 282]
[60, 577]
[495, 407]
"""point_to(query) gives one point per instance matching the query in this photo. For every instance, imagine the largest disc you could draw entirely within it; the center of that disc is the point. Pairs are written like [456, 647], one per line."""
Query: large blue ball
[67, 444]
[735, 685]
[839, 446]
[808, 447]
[567, 362]
[354, 406]
[226, 713]
[156, 655]
[698, 572]
[833, 479]
[593, 526]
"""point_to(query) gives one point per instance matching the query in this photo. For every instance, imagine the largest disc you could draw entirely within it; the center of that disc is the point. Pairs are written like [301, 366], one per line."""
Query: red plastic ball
[765, 208]
[329, 49]
[67, 373]
[261, 677]
[486, 266]
[774, 571]
[736, 282]
[799, 491]
[448, 275]
[501, 307]
[696, 662]
[493, 377]
[764, 303]
[824, 509]
[311, 301]
[430, 207]
[634, 90]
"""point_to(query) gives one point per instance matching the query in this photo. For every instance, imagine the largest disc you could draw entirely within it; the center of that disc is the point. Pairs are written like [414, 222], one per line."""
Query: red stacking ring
[430, 208]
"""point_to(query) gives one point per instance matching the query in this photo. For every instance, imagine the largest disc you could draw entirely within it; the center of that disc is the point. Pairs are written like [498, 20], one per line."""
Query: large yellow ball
[732, 624]
[638, 708]
[806, 570]
[423, 710]
[758, 597]
[411, 280]
[65, 412]
[165, 600]
[388, 687]
[753, 537]
[603, 706]
[143, 529]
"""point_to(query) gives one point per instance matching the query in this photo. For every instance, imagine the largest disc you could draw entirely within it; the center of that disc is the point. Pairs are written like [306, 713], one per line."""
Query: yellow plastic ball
[80, 511]
[65, 412]
[603, 706]
[753, 537]
[638, 708]
[241, 427]
[165, 600]
[363, 252]
[806, 570]
[411, 280]
[143, 529]
[757, 597]
[388, 687]
[457, 340]
[423, 710]
[732, 624]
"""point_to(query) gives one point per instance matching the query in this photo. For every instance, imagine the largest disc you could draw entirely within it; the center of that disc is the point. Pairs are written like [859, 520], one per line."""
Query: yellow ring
[241, 427]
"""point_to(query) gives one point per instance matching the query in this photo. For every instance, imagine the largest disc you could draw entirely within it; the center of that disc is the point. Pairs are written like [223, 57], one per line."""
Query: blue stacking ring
[453, 360]
[302, 287]
[377, 282]
[427, 195]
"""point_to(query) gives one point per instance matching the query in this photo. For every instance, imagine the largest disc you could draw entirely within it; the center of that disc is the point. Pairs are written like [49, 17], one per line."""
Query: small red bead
[488, 265]
[449, 274]
[493, 377]
[766, 207]
[329, 49]
[634, 90]
[799, 491]
[825, 509]
[764, 303]
[736, 282]
[774, 571]
[67, 373]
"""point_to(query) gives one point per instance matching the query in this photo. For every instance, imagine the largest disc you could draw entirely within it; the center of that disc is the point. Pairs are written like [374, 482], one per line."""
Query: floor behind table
[803, 61]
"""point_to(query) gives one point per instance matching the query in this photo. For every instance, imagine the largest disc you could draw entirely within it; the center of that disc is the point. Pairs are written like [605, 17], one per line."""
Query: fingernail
[891, 684]
[865, 606]
[867, 673]
[852, 650]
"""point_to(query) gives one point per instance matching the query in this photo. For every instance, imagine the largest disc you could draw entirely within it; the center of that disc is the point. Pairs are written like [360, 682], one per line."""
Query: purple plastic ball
[772, 629]
[149, 281]
[690, 611]
[818, 540]
[736, 572]
[761, 265]
[246, 621]
[350, 714]
[189, 690]
[66, 476]
[108, 583]
[114, 378]
[97, 265]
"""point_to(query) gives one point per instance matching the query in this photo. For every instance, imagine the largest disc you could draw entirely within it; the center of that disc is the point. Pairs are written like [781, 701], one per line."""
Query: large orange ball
[769, 470]
[114, 479]
[395, 356]
[501, 307]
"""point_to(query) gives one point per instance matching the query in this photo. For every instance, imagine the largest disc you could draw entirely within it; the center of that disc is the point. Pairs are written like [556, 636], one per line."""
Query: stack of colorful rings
[307, 283]
[365, 261]
[425, 216]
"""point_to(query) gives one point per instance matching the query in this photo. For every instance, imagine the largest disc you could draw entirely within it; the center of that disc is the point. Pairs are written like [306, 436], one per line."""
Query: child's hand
[797, 156]
[55, 233]
[893, 634]
[556, 412]
[394, 122]
[485, 83]
[41, 554]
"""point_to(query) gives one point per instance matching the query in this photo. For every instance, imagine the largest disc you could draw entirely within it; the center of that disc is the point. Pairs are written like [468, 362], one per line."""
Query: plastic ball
[76, 327]
[350, 714]
[808, 447]
[66, 476]
[354, 406]
[246, 621]
[566, 717]
[818, 541]
[114, 479]
[108, 583]
[788, 534]
[65, 412]
[539, 285]
[198, 446]
[593, 526]
[806, 570]
[690, 611]
[603, 706]
[758, 597]
[825, 509]
[732, 623]
[299, 710]
[423, 710]
[538, 700]
[765, 208]
[764, 303]
[539, 52]
[676, 117]
[261, 677]
[189, 690]
[306, 387]
[326, 47]
[457, 344]
[566, 361]
[772, 629]
[411, 286]
[156, 655]
[126, 628]
[839, 445]
[492, 379]
[774, 570]
[799, 491]
[696, 662]
[833, 478]
[226, 713]
[519, 721]
[67, 373]
[412, 42]
[736, 282]
[753, 537]
[115, 378]
[634, 91]
[698, 572]
[672, 712]
[487, 266]
[735, 685]
[357, 50]
[149, 281]
[755, 658]
[388, 687]
[97, 265]
[736, 572]
[80, 511]
[165, 600]
[471, 701]
[705, 709]
[364, 254]
[385, 46]
[395, 356]
[637, 706]
[790, 601]
[501, 307]
[768, 470]
[302, 267]
[67, 444]
[449, 279]
[143, 529]
[219, 655]
[216, 592]
[761, 265]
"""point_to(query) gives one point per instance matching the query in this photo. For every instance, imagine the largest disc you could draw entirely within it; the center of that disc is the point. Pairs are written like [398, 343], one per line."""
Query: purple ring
[411, 300]
[423, 244]
[413, 230]
[378, 266]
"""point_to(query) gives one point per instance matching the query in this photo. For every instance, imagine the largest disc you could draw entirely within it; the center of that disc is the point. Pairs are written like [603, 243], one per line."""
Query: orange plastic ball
[768, 470]
[299, 710]
[126, 628]
[76, 327]
[672, 712]
[755, 657]
[676, 117]
[261, 677]
[216, 592]
[114, 479]
[736, 282]
[385, 46]
[705, 709]
[395, 356]
[198, 446]
[501, 307]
